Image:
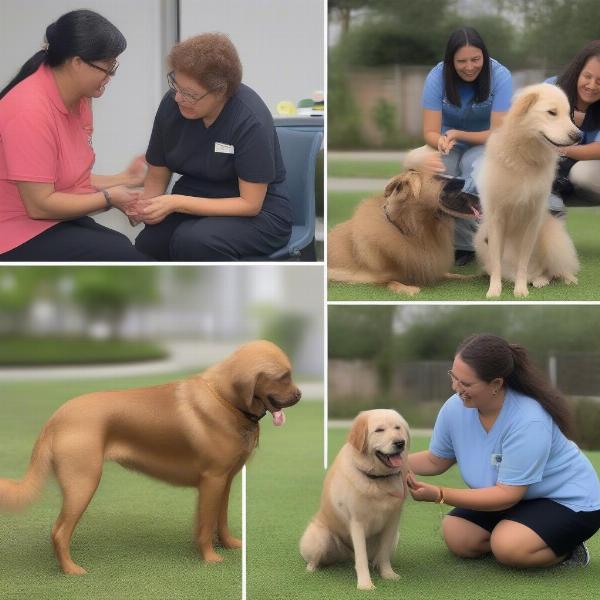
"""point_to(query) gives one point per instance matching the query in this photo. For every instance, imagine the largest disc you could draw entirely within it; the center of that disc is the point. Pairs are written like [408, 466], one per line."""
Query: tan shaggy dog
[196, 432]
[403, 239]
[362, 499]
[518, 239]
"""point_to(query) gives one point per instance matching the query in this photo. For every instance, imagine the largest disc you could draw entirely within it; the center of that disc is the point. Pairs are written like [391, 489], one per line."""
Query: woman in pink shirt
[47, 188]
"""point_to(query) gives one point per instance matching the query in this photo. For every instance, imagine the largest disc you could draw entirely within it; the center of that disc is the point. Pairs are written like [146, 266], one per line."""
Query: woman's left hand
[154, 210]
[422, 492]
[135, 173]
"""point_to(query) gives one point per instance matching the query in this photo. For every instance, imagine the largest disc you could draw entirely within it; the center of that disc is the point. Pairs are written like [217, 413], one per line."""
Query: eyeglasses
[454, 379]
[108, 72]
[189, 98]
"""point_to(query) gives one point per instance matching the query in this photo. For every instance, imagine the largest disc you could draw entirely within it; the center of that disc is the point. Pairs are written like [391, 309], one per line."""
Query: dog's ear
[359, 432]
[524, 102]
[394, 184]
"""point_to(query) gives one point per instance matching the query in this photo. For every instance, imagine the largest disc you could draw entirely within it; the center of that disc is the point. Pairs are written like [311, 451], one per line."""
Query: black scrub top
[242, 142]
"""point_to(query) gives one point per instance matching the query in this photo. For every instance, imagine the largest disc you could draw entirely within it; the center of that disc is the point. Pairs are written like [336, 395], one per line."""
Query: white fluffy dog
[518, 239]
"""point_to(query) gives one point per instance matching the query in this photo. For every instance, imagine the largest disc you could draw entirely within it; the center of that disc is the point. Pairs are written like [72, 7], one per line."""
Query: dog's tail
[17, 494]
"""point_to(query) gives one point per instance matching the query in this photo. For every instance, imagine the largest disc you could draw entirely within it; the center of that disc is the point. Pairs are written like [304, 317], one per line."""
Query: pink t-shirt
[40, 141]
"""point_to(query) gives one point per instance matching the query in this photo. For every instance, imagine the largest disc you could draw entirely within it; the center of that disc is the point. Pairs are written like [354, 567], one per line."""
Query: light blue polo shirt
[469, 116]
[524, 447]
[588, 136]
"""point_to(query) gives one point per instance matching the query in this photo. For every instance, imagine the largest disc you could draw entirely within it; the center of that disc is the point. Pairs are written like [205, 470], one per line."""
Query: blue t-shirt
[588, 136]
[524, 447]
[469, 116]
[242, 142]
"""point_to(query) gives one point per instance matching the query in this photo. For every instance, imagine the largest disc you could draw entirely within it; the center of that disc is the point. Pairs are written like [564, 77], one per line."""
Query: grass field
[284, 486]
[367, 168]
[583, 225]
[135, 539]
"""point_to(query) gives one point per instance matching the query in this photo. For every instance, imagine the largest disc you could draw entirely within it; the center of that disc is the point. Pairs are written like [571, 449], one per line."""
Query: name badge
[495, 460]
[223, 148]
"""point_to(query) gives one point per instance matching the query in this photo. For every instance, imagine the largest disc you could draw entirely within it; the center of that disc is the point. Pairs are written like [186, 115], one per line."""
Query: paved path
[355, 184]
[184, 355]
[387, 155]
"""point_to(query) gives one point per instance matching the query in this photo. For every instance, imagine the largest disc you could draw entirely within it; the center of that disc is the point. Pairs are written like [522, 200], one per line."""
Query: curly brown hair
[211, 59]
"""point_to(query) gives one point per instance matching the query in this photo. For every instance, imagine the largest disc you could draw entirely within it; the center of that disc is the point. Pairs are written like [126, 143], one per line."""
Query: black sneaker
[580, 557]
[463, 257]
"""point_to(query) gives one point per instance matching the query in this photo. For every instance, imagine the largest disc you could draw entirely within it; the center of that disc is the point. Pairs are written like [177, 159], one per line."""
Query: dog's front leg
[528, 241]
[361, 560]
[210, 497]
[387, 544]
[225, 537]
[495, 249]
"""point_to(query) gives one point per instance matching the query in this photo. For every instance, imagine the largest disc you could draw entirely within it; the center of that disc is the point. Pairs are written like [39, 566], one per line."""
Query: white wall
[123, 116]
[280, 42]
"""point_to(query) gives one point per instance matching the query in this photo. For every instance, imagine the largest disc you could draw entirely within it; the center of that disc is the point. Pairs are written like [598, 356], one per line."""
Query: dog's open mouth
[275, 406]
[456, 203]
[391, 461]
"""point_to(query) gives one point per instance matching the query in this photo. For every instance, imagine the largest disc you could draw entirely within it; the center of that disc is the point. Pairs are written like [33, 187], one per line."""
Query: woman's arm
[584, 152]
[156, 182]
[132, 176]
[477, 137]
[432, 127]
[498, 497]
[247, 204]
[43, 202]
[426, 463]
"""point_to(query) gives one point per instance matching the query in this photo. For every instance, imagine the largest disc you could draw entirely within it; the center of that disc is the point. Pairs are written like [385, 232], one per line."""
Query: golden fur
[194, 432]
[518, 239]
[358, 517]
[415, 250]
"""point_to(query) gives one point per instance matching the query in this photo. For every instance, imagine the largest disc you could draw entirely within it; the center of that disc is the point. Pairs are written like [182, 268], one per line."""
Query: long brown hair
[491, 356]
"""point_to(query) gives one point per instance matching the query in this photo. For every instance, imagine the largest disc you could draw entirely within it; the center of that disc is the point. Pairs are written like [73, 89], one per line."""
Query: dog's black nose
[399, 445]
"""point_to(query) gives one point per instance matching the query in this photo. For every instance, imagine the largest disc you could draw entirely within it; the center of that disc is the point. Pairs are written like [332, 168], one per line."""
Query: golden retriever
[362, 498]
[518, 239]
[196, 432]
[403, 239]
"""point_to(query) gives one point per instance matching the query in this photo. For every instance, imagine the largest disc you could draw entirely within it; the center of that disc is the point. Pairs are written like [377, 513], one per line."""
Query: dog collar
[250, 416]
[371, 476]
[387, 216]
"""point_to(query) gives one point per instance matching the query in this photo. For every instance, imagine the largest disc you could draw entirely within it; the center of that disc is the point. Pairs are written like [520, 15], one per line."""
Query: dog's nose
[399, 445]
[298, 394]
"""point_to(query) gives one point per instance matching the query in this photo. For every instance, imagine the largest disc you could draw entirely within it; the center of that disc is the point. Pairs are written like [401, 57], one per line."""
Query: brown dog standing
[195, 432]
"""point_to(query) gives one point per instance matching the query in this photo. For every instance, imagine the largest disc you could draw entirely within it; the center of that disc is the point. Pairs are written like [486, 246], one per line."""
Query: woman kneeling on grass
[534, 497]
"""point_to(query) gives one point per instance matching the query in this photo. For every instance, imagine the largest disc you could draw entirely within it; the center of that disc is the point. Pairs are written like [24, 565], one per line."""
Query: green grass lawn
[135, 538]
[583, 225]
[367, 168]
[284, 486]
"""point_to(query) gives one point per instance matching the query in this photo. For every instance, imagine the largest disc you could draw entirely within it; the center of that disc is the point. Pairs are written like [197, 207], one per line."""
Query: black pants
[191, 238]
[78, 240]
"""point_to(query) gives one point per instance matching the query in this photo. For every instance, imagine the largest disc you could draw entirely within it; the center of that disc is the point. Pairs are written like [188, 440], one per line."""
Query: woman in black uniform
[231, 201]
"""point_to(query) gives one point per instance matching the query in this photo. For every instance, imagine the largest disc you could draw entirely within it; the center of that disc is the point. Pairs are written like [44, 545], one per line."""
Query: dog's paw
[74, 569]
[400, 288]
[494, 290]
[389, 574]
[230, 543]
[212, 558]
[540, 282]
[365, 585]
[569, 279]
[521, 291]
[311, 567]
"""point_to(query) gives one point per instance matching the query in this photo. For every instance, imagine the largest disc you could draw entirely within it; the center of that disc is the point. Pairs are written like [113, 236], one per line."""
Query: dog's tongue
[278, 418]
[396, 460]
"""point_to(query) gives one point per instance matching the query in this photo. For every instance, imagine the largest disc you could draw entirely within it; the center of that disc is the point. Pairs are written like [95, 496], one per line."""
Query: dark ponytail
[81, 33]
[491, 356]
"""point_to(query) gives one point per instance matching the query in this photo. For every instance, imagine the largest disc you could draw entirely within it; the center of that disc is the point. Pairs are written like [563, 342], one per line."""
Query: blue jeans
[462, 162]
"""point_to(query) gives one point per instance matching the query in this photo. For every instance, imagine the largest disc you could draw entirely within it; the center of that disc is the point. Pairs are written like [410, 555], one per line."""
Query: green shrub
[586, 416]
